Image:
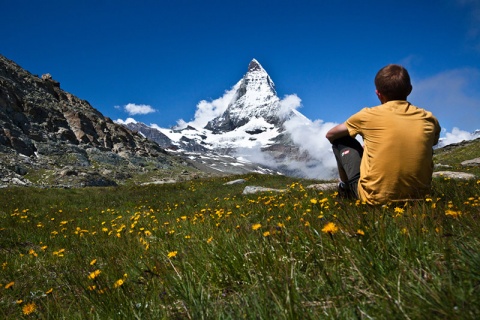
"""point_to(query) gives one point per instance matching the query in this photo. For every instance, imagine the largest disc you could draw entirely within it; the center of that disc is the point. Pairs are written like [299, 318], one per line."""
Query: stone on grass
[453, 175]
[256, 189]
[238, 181]
[471, 163]
[324, 186]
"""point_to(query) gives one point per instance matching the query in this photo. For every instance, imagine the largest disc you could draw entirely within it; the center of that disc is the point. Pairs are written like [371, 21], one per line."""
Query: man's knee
[349, 142]
[348, 153]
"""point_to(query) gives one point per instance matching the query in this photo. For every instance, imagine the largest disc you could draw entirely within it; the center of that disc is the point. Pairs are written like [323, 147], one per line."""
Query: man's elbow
[330, 136]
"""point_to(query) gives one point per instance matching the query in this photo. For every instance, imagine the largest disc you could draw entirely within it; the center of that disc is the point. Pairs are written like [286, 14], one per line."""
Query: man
[396, 161]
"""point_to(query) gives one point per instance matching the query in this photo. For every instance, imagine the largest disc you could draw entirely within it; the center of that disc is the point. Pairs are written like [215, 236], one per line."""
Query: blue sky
[170, 55]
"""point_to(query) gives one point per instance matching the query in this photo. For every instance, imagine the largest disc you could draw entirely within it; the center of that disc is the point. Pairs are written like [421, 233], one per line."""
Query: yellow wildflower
[93, 262]
[9, 285]
[313, 201]
[452, 213]
[330, 228]
[398, 210]
[266, 233]
[118, 283]
[29, 308]
[49, 291]
[172, 254]
[360, 232]
[94, 274]
[256, 226]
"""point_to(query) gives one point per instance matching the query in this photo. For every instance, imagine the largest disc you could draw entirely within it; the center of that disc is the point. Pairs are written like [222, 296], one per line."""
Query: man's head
[393, 83]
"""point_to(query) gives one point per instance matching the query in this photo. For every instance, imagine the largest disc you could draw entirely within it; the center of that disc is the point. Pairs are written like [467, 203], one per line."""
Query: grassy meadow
[202, 250]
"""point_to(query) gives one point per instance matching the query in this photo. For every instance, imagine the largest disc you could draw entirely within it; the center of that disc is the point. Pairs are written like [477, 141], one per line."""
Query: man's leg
[348, 153]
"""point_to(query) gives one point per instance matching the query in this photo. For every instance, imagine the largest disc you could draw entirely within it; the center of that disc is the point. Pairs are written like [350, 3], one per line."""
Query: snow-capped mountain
[255, 98]
[251, 128]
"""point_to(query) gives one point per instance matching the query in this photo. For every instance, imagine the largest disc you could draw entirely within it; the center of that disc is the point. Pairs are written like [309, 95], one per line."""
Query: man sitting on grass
[396, 162]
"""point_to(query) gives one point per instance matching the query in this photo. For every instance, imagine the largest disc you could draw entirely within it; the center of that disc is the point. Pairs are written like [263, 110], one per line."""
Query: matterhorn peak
[254, 65]
[255, 98]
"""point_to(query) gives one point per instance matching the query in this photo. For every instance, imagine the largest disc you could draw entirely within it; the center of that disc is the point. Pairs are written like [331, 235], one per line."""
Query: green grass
[453, 156]
[202, 250]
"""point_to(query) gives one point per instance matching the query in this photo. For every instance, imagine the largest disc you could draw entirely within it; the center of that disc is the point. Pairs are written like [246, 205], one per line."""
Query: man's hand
[337, 132]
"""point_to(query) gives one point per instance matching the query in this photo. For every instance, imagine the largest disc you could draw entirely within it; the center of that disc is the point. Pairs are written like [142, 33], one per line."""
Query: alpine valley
[49, 137]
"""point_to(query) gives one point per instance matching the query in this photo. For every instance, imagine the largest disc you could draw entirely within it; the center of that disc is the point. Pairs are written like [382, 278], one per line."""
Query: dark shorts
[348, 153]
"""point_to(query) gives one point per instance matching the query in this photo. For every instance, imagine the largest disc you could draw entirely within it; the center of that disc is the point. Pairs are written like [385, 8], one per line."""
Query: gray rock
[256, 189]
[453, 175]
[442, 166]
[238, 181]
[324, 186]
[471, 163]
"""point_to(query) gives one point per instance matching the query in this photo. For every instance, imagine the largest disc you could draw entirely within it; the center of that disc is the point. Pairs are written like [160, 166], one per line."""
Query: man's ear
[380, 96]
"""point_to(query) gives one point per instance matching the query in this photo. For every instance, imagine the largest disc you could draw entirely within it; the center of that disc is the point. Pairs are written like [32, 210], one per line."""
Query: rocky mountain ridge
[50, 137]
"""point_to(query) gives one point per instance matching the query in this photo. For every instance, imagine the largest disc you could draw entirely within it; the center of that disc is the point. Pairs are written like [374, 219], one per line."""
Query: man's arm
[438, 129]
[337, 132]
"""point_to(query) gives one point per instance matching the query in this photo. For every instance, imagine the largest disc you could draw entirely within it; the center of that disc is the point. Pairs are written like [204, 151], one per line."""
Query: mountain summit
[255, 98]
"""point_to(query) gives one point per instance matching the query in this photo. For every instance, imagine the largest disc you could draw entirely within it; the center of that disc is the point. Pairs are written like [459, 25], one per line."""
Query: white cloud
[289, 102]
[452, 96]
[208, 110]
[310, 136]
[134, 109]
[457, 135]
[127, 121]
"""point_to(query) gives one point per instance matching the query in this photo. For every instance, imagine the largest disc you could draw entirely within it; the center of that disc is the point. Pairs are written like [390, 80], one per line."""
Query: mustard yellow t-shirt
[397, 159]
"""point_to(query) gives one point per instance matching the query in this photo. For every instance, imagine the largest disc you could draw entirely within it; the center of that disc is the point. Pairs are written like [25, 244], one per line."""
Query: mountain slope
[45, 129]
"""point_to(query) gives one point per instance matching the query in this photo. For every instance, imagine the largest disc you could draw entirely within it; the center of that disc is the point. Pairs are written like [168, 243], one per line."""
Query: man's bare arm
[337, 132]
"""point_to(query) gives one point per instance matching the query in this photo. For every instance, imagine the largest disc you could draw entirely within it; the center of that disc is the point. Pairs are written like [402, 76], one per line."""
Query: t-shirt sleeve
[354, 124]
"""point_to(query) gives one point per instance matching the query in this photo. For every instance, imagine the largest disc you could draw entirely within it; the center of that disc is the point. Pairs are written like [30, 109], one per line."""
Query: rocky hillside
[50, 137]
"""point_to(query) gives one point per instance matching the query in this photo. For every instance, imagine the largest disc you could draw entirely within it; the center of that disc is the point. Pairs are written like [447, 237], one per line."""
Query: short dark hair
[393, 81]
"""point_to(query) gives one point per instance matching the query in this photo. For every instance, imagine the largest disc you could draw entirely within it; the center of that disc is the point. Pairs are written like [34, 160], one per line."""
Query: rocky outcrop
[150, 133]
[43, 127]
